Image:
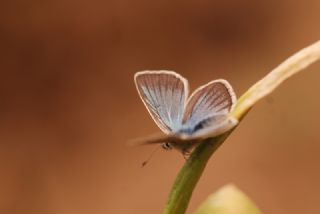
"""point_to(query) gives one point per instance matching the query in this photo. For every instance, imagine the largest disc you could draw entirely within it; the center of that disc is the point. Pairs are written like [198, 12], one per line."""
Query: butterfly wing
[164, 94]
[207, 109]
[214, 126]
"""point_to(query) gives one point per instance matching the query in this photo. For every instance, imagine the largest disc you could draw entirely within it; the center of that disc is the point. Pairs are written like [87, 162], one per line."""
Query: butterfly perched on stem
[185, 121]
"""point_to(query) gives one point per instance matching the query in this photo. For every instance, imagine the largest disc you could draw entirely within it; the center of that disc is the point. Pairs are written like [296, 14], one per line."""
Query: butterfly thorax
[184, 146]
[184, 133]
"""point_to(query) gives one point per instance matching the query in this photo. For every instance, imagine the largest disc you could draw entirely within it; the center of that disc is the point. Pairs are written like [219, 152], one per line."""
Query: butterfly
[185, 121]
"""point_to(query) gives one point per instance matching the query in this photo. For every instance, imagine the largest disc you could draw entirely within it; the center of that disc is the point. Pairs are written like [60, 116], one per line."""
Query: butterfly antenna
[150, 156]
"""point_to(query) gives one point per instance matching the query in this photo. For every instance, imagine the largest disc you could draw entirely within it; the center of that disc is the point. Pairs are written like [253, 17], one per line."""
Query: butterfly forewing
[212, 101]
[164, 94]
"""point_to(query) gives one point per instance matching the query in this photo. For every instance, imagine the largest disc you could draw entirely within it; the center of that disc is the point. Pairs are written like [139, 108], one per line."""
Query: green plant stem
[190, 174]
[191, 171]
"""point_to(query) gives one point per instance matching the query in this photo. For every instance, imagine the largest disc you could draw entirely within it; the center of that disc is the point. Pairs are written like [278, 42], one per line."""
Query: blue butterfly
[184, 120]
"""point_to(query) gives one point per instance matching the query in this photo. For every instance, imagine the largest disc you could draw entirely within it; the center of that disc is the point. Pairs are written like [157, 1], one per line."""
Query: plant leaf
[271, 81]
[228, 200]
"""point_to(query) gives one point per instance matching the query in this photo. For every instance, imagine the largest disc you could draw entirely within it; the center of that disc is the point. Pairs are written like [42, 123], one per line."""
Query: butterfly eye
[166, 146]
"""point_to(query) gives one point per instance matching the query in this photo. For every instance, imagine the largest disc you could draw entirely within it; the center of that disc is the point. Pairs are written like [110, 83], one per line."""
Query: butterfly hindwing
[214, 126]
[209, 107]
[164, 94]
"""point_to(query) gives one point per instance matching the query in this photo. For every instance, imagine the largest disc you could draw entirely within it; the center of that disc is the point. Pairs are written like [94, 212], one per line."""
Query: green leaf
[228, 200]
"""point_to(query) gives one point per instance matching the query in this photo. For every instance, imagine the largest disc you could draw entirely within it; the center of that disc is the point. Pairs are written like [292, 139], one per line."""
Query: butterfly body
[185, 121]
[185, 147]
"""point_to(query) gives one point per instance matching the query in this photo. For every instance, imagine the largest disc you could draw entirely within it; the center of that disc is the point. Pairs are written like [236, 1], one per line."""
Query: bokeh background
[68, 104]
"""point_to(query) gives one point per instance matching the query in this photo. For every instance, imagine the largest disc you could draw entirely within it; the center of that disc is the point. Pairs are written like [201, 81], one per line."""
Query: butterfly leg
[186, 154]
[187, 149]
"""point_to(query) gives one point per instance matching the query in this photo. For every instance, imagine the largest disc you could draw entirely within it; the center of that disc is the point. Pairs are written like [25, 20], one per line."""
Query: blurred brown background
[68, 103]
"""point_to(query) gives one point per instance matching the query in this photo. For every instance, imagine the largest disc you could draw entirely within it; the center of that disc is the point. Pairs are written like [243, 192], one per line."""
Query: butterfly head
[166, 146]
